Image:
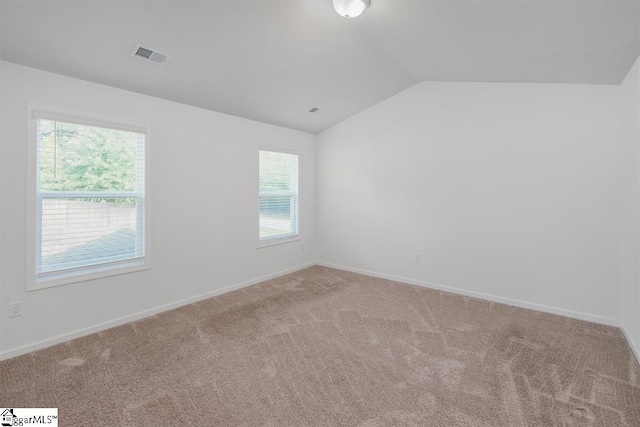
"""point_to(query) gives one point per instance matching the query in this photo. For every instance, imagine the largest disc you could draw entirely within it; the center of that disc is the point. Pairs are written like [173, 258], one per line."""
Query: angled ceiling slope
[273, 60]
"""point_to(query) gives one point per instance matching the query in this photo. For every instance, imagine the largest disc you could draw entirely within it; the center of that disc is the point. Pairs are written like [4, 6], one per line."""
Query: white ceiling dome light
[350, 8]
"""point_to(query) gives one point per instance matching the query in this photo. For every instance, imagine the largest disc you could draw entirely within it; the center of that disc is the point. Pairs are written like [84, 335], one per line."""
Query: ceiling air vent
[314, 109]
[150, 55]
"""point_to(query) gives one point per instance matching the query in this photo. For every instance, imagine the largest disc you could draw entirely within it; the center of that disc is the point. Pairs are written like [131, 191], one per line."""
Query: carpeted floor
[325, 347]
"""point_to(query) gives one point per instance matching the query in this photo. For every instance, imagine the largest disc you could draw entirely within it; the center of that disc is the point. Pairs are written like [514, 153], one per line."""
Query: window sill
[280, 241]
[85, 275]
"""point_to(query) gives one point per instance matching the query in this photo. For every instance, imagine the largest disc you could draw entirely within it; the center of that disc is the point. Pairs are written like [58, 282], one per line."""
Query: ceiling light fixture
[350, 8]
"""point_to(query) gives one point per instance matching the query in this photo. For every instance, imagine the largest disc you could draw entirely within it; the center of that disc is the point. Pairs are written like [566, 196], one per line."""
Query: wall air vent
[150, 55]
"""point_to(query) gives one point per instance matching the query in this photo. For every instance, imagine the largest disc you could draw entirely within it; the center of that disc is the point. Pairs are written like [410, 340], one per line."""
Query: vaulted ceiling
[273, 60]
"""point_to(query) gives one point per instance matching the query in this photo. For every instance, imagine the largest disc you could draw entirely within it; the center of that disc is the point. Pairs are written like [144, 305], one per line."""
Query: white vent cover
[150, 55]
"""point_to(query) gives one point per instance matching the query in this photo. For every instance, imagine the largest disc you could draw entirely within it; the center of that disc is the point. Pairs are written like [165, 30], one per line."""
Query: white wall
[203, 208]
[630, 213]
[506, 190]
[525, 193]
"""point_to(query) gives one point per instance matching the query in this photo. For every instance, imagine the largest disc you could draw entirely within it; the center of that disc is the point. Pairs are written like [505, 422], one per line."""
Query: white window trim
[33, 199]
[279, 240]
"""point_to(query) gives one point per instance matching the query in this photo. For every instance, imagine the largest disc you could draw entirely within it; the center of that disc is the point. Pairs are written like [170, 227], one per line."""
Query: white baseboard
[634, 348]
[28, 348]
[517, 303]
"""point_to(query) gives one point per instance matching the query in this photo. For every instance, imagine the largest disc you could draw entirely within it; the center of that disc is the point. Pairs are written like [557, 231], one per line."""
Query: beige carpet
[325, 347]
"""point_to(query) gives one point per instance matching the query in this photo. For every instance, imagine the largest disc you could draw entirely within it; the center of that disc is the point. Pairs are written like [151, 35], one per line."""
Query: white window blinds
[90, 196]
[278, 195]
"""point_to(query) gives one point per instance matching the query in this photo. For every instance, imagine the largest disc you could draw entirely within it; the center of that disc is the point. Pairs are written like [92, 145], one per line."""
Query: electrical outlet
[15, 309]
[302, 247]
[417, 258]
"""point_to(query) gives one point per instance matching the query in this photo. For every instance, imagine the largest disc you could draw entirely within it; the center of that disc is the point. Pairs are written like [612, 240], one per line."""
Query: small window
[278, 195]
[89, 202]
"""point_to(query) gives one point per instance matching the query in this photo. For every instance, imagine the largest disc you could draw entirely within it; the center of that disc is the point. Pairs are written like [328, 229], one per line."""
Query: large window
[278, 195]
[88, 199]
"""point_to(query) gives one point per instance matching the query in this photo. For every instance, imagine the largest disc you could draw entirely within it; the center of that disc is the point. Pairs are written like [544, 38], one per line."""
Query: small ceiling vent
[314, 109]
[150, 55]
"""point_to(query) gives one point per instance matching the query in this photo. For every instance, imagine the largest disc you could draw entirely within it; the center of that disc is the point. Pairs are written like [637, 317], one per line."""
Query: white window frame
[34, 202]
[277, 240]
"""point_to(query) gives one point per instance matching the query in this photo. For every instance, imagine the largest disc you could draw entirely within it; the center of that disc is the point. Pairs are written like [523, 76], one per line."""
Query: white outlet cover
[15, 309]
